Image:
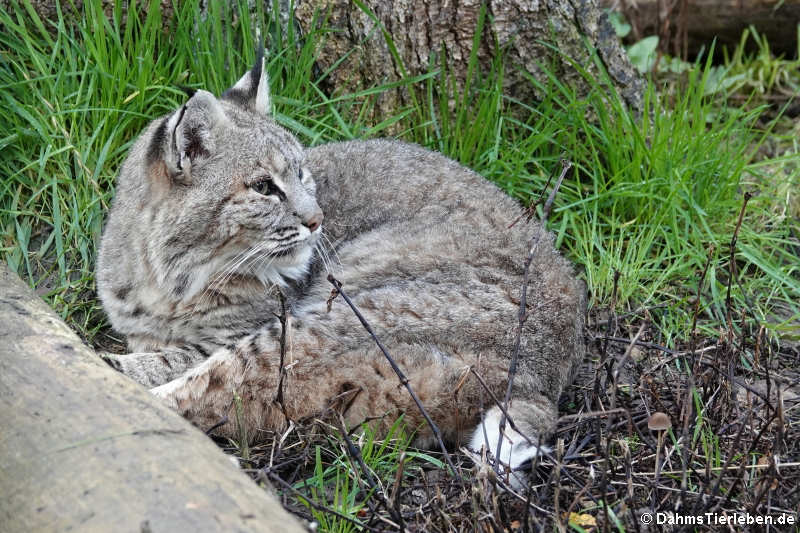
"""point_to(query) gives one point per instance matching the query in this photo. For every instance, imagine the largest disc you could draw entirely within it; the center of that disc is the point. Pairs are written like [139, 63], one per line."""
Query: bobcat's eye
[267, 187]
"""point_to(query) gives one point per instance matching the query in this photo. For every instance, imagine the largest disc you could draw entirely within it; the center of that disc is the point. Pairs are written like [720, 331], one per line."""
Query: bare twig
[522, 314]
[615, 371]
[604, 475]
[689, 403]
[729, 493]
[732, 261]
[628, 352]
[398, 483]
[715, 488]
[282, 368]
[222, 422]
[541, 451]
[592, 414]
[617, 317]
[612, 324]
[743, 466]
[531, 209]
[400, 375]
[499, 405]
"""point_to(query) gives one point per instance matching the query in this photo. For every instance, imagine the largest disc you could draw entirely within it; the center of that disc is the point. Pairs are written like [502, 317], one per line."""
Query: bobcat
[217, 208]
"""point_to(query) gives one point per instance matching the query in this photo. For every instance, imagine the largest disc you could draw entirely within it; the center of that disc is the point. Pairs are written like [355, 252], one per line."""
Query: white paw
[165, 390]
[515, 450]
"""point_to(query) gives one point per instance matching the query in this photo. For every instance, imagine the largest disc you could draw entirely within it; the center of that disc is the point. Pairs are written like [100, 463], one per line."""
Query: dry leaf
[583, 520]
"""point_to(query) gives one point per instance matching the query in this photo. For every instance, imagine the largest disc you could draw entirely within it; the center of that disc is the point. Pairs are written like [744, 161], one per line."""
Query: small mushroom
[660, 422]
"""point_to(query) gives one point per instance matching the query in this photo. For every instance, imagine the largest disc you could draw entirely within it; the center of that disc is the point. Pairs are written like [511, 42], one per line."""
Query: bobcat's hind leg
[318, 378]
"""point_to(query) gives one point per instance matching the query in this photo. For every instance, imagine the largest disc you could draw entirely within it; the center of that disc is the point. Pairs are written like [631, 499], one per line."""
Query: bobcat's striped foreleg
[155, 368]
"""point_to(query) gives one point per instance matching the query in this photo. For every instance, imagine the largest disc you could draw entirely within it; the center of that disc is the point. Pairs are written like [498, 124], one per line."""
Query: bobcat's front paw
[515, 450]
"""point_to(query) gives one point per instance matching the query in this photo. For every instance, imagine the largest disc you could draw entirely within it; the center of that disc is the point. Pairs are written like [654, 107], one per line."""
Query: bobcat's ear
[185, 138]
[252, 90]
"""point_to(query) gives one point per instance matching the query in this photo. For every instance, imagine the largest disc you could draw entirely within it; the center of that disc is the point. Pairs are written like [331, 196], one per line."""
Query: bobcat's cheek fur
[217, 206]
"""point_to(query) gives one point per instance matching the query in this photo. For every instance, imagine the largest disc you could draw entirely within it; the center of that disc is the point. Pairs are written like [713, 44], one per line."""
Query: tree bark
[533, 34]
[83, 448]
[434, 33]
[706, 20]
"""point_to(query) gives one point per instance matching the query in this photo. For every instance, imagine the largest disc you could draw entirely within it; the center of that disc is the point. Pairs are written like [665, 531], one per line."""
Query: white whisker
[318, 248]
[332, 254]
[225, 273]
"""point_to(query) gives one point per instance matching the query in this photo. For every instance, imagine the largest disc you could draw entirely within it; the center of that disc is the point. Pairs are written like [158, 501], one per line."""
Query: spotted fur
[217, 207]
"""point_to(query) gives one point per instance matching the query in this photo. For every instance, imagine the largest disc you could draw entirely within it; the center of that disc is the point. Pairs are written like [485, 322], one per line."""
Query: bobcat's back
[435, 253]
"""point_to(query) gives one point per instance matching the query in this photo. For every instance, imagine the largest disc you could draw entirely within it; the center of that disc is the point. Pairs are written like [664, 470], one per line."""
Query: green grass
[77, 96]
[337, 483]
[759, 72]
[648, 198]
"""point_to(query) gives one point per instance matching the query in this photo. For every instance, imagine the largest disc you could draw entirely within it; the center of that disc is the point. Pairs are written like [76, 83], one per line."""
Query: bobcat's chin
[291, 265]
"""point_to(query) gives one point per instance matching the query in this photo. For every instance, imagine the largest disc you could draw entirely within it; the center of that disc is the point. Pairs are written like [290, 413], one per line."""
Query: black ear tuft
[256, 72]
[252, 90]
[188, 91]
[158, 142]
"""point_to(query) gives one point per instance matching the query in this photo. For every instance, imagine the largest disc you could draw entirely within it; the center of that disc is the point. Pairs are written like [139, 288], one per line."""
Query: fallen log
[703, 21]
[83, 448]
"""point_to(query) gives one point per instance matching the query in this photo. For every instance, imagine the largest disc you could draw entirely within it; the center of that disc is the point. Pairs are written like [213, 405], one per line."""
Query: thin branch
[643, 344]
[400, 375]
[715, 488]
[222, 422]
[522, 314]
[690, 389]
[541, 451]
[580, 417]
[282, 368]
[499, 405]
[615, 371]
[732, 261]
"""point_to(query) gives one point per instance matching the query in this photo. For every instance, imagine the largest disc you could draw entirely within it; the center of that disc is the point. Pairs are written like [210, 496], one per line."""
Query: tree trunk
[702, 21]
[83, 448]
[421, 29]
[531, 32]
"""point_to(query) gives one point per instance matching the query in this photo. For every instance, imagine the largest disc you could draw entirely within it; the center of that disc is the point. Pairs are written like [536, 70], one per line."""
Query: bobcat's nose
[314, 221]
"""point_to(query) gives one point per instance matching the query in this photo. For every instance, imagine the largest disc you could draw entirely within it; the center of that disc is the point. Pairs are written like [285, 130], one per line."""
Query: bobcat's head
[226, 192]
